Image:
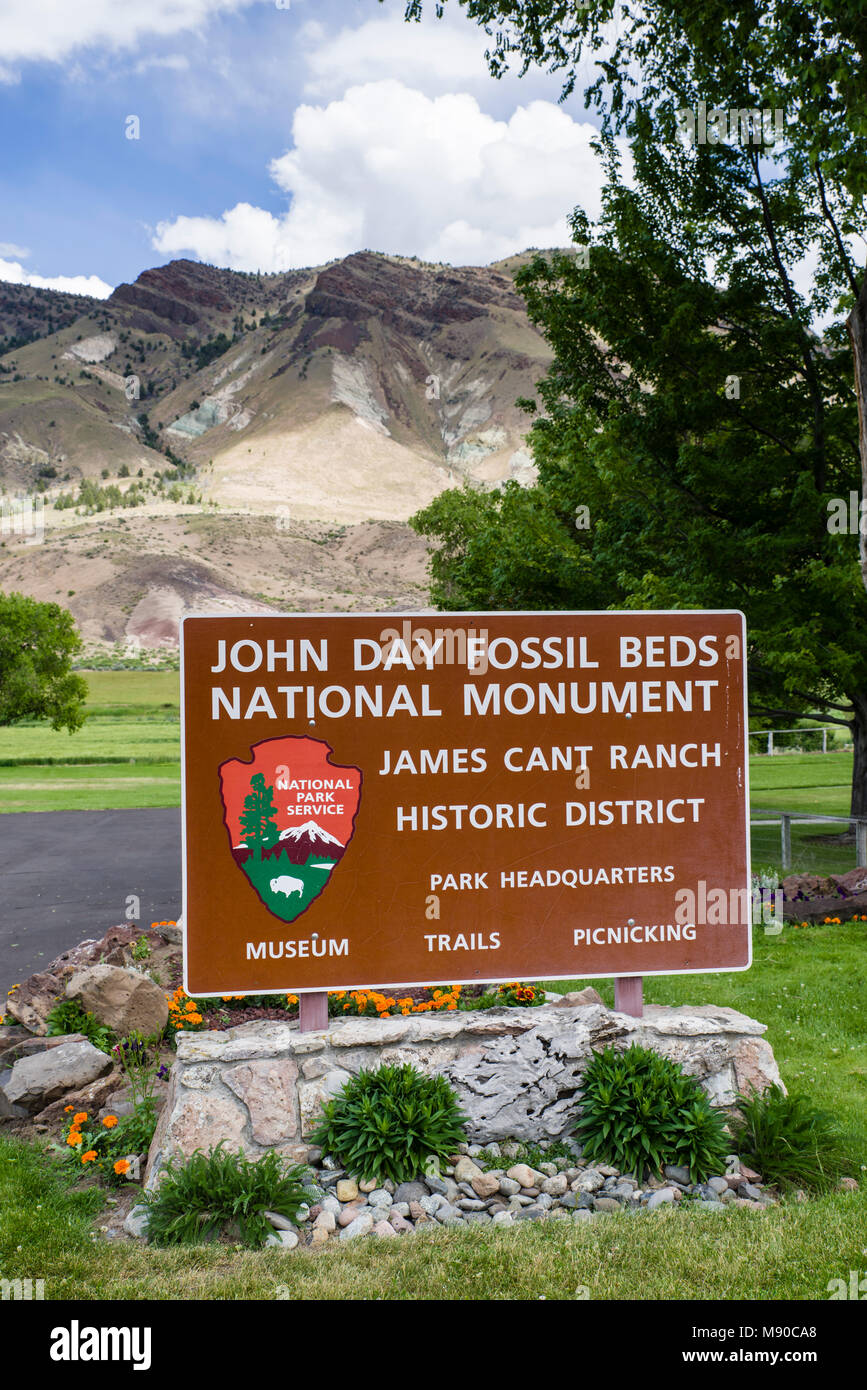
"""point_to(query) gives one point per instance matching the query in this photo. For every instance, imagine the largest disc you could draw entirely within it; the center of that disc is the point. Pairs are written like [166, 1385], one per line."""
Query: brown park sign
[380, 799]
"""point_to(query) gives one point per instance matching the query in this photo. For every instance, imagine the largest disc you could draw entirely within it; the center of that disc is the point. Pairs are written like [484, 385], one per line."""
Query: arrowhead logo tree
[290, 814]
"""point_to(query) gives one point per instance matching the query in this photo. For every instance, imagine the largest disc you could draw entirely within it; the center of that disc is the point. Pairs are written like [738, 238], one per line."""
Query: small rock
[664, 1196]
[509, 1187]
[607, 1171]
[532, 1213]
[325, 1221]
[402, 1208]
[847, 1185]
[677, 1173]
[331, 1204]
[581, 1215]
[369, 1185]
[410, 1192]
[703, 1205]
[348, 1214]
[589, 1181]
[555, 1186]
[524, 1176]
[361, 1226]
[607, 1204]
[549, 1169]
[446, 1187]
[466, 1170]
[718, 1185]
[384, 1228]
[314, 1155]
[287, 1239]
[748, 1190]
[746, 1202]
[379, 1197]
[503, 1218]
[417, 1211]
[347, 1190]
[471, 1204]
[749, 1175]
[399, 1222]
[280, 1223]
[486, 1184]
[478, 1218]
[447, 1215]
[728, 1196]
[136, 1223]
[319, 1236]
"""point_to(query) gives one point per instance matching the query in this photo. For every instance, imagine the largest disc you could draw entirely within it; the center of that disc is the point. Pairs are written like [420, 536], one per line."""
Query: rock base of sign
[517, 1072]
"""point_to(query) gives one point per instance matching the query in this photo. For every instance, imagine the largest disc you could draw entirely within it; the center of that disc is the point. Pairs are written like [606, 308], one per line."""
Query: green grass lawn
[808, 985]
[126, 755]
[806, 782]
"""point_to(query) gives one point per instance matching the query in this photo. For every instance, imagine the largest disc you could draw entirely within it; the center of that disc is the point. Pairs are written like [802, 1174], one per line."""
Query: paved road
[66, 875]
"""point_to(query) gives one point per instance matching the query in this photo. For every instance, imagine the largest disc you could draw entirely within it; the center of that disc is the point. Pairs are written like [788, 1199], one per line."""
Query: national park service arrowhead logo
[290, 813]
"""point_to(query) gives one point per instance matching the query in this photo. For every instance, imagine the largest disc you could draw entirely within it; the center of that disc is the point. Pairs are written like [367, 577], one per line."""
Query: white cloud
[14, 273]
[436, 56]
[390, 168]
[9, 248]
[173, 62]
[50, 30]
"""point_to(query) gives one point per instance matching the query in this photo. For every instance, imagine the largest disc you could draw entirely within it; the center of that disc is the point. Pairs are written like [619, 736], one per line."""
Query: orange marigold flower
[67, 1108]
[80, 1118]
[110, 1121]
[74, 1138]
[122, 1166]
[89, 1156]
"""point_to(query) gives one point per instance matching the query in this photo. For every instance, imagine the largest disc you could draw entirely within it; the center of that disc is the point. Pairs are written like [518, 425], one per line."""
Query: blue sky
[273, 134]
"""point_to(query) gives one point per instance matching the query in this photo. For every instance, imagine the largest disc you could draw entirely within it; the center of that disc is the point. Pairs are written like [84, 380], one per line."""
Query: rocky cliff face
[340, 395]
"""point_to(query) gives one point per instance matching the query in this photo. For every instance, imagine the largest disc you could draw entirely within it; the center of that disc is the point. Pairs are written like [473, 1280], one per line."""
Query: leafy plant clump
[640, 1111]
[68, 1016]
[390, 1122]
[788, 1140]
[222, 1193]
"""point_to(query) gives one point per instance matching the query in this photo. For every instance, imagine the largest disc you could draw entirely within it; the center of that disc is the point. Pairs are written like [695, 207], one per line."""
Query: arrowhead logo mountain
[289, 813]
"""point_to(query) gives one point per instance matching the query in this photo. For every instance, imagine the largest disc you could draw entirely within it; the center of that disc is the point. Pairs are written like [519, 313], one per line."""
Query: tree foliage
[37, 644]
[692, 404]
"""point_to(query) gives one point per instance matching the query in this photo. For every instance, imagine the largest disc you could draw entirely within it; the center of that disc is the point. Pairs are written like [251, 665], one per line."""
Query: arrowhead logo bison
[289, 813]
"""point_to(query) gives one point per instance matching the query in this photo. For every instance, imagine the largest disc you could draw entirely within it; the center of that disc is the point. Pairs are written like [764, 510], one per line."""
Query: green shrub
[387, 1123]
[222, 1193]
[68, 1016]
[640, 1111]
[788, 1141]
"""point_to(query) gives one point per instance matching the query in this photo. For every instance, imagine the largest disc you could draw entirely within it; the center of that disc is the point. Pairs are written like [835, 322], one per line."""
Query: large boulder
[124, 1000]
[31, 1002]
[37, 1080]
[114, 948]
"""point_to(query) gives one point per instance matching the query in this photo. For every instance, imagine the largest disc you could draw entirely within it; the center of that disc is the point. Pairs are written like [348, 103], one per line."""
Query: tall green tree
[38, 642]
[692, 405]
[259, 817]
[804, 58]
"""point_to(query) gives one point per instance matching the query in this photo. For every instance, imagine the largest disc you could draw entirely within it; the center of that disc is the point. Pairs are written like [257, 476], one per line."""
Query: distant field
[818, 782]
[128, 754]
